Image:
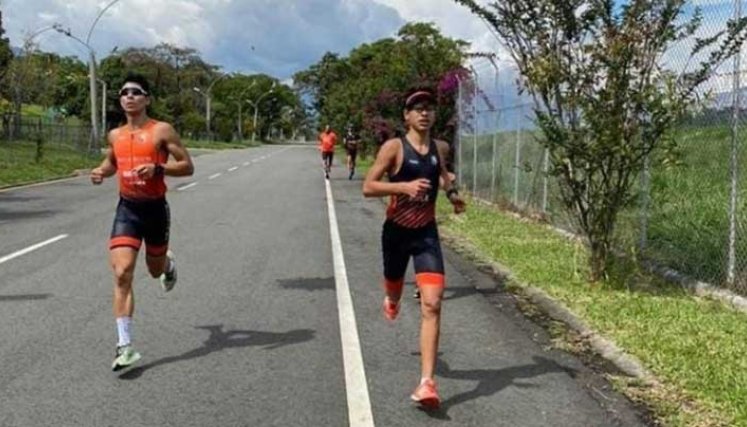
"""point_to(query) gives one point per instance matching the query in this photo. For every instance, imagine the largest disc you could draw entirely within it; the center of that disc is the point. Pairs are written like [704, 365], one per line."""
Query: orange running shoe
[391, 309]
[426, 395]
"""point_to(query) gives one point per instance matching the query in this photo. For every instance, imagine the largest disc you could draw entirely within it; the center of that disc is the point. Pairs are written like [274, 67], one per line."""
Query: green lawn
[18, 165]
[696, 346]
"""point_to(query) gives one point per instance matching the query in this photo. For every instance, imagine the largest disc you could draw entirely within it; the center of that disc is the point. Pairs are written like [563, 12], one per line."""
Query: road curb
[61, 178]
[604, 347]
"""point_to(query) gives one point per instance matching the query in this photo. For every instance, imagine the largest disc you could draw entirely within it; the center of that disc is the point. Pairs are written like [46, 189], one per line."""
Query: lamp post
[240, 123]
[91, 68]
[207, 94]
[103, 106]
[255, 104]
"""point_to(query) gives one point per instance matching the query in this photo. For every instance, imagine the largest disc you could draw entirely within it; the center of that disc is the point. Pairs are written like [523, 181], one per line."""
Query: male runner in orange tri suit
[138, 153]
[327, 142]
[415, 164]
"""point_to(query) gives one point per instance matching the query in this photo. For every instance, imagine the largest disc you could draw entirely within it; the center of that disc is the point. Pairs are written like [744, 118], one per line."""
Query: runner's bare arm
[385, 161]
[446, 178]
[108, 166]
[182, 166]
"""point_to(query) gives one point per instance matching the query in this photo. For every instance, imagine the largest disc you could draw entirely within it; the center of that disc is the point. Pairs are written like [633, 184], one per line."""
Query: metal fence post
[517, 161]
[475, 132]
[492, 169]
[733, 199]
[545, 171]
[645, 201]
[460, 118]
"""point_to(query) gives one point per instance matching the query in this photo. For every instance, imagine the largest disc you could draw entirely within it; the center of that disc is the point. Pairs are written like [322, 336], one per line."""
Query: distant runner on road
[327, 142]
[414, 165]
[138, 153]
[352, 142]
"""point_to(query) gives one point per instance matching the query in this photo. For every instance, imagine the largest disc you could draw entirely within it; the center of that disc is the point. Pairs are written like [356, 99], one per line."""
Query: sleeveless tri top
[133, 148]
[415, 212]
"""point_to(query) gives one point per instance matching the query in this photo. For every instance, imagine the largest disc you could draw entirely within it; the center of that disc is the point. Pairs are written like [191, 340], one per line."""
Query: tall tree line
[365, 88]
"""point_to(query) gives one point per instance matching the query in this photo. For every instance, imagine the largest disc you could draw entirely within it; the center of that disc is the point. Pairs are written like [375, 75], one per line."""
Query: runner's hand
[459, 205]
[97, 176]
[416, 188]
[145, 171]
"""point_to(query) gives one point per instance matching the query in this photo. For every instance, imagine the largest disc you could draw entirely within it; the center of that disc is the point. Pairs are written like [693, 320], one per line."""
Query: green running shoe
[126, 356]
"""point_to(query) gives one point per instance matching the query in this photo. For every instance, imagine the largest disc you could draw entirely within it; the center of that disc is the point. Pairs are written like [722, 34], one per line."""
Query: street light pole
[208, 101]
[239, 123]
[91, 84]
[256, 109]
[103, 106]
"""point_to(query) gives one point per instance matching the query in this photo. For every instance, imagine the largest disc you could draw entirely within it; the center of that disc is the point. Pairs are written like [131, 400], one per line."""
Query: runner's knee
[123, 275]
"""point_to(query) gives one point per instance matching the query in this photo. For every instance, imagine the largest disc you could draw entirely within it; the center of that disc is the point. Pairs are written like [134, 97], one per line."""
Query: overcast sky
[277, 37]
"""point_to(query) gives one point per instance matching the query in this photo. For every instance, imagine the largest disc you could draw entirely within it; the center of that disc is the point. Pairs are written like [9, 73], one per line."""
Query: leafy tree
[365, 89]
[6, 54]
[603, 98]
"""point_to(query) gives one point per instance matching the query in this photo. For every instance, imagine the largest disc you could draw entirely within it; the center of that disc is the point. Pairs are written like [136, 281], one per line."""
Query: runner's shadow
[491, 381]
[310, 284]
[24, 297]
[220, 340]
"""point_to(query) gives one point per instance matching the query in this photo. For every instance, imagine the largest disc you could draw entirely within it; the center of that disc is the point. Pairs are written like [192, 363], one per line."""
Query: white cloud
[286, 35]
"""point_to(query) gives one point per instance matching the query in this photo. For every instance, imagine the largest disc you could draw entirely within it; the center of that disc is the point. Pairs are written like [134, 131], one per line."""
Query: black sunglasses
[132, 91]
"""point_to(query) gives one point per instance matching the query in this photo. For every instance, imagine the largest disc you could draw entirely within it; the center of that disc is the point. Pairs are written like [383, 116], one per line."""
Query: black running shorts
[142, 220]
[400, 243]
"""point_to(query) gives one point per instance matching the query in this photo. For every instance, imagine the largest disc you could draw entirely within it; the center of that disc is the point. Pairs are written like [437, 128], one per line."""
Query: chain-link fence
[26, 129]
[691, 215]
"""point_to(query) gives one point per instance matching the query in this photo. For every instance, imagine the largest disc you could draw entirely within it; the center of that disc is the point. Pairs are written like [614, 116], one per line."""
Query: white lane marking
[359, 404]
[186, 186]
[233, 168]
[31, 248]
[215, 175]
[246, 163]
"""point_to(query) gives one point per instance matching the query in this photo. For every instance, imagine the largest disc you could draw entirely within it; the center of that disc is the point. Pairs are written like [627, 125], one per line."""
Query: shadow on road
[491, 381]
[309, 284]
[24, 297]
[220, 340]
[16, 215]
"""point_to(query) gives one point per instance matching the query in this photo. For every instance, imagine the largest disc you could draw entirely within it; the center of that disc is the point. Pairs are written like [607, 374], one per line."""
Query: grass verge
[18, 163]
[695, 346]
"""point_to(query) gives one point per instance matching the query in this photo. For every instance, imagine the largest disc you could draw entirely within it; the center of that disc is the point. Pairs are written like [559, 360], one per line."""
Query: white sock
[424, 379]
[171, 266]
[123, 330]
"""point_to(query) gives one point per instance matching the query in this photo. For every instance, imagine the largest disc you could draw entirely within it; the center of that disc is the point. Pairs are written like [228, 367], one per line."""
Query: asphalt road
[251, 335]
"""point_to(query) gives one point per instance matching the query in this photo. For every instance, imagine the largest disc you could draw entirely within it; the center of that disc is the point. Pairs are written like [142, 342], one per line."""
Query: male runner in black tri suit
[352, 141]
[414, 164]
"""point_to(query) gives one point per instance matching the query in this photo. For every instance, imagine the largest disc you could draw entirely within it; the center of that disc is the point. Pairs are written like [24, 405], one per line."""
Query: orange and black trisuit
[327, 141]
[142, 212]
[410, 228]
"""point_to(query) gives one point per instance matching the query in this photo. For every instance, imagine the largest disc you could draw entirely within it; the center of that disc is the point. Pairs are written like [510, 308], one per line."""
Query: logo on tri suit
[434, 161]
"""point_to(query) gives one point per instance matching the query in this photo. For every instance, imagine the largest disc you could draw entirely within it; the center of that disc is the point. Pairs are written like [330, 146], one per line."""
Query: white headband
[133, 85]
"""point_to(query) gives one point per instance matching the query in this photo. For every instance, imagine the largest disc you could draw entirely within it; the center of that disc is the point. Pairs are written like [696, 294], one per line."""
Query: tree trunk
[599, 255]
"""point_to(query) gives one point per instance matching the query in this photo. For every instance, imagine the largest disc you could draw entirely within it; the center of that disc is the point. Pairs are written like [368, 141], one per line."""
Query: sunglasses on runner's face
[423, 108]
[132, 91]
